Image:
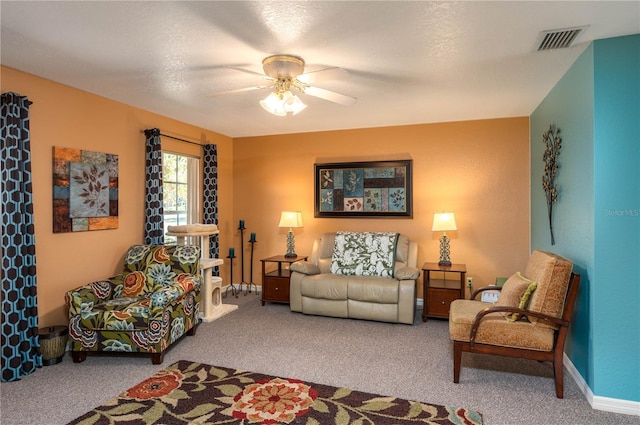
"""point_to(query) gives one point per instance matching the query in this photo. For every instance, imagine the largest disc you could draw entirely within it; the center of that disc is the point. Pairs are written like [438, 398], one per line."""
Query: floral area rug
[196, 393]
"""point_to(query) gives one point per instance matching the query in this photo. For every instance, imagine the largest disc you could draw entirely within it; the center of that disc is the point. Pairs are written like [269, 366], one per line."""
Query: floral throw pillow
[364, 253]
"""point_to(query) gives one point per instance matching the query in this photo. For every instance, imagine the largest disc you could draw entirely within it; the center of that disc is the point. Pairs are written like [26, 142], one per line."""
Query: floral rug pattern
[197, 393]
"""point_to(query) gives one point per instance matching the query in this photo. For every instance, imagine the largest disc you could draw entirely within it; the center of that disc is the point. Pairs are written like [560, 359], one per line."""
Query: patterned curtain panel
[154, 210]
[20, 346]
[210, 192]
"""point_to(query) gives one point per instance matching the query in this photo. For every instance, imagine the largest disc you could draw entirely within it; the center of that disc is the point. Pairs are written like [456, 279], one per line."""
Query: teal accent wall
[569, 106]
[616, 295]
[596, 104]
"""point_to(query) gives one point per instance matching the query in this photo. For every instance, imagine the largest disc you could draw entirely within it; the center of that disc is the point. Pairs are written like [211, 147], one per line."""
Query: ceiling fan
[286, 72]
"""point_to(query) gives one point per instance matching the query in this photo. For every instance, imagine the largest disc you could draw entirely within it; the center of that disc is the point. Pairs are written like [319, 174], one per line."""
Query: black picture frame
[380, 189]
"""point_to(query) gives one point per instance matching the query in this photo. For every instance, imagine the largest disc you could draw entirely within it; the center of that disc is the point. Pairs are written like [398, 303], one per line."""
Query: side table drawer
[275, 283]
[276, 289]
[440, 300]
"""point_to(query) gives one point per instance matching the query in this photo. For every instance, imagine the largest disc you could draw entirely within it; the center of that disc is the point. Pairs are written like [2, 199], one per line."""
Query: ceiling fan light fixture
[271, 104]
[283, 72]
[292, 103]
[282, 104]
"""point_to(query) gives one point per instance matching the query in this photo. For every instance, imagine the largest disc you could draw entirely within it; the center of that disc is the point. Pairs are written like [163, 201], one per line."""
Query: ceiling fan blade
[223, 93]
[331, 96]
[248, 71]
[334, 73]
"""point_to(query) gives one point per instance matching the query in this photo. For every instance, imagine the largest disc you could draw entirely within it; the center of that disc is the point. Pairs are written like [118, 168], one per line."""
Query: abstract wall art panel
[85, 190]
[363, 189]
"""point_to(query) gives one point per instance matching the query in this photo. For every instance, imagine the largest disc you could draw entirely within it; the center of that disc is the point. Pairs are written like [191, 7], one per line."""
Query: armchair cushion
[148, 268]
[494, 330]
[82, 299]
[124, 313]
[552, 273]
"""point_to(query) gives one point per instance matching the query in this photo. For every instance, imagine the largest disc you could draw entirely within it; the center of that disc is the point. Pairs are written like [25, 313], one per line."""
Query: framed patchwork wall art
[363, 189]
[85, 190]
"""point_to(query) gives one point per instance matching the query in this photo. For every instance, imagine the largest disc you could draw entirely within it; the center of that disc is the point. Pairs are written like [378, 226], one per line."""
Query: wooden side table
[275, 283]
[438, 294]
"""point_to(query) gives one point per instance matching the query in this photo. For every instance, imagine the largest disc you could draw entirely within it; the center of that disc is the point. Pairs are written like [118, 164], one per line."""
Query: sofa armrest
[162, 297]
[304, 267]
[407, 273]
[84, 297]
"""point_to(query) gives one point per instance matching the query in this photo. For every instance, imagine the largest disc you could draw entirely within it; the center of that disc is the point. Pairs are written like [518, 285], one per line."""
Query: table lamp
[290, 219]
[444, 222]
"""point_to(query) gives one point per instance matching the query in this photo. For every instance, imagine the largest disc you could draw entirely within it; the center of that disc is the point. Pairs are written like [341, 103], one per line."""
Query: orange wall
[64, 116]
[477, 169]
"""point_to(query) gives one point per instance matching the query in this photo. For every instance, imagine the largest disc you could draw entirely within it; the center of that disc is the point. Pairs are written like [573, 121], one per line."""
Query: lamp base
[445, 258]
[291, 243]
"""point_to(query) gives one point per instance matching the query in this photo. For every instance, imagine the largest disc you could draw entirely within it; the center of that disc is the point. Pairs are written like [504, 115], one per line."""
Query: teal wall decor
[553, 142]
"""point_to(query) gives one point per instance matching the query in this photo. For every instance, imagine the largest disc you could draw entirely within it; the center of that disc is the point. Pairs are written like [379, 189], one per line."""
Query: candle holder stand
[251, 283]
[234, 291]
[242, 281]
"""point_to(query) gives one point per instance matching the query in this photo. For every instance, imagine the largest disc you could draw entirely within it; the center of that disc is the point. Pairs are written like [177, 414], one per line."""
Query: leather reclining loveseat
[320, 287]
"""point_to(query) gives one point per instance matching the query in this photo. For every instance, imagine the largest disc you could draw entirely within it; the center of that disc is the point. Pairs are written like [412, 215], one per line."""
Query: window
[179, 190]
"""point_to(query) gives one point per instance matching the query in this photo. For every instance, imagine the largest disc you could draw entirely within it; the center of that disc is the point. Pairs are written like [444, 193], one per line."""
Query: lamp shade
[290, 219]
[283, 103]
[443, 222]
[292, 103]
[273, 104]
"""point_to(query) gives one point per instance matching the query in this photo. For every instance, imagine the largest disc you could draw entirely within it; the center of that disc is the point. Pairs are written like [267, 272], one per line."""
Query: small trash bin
[53, 343]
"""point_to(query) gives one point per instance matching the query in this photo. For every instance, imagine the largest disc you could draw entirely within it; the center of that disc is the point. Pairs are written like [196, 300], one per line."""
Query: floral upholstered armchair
[146, 308]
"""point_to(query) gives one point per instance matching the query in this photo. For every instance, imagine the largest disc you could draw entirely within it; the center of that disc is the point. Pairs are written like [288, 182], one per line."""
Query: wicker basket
[53, 344]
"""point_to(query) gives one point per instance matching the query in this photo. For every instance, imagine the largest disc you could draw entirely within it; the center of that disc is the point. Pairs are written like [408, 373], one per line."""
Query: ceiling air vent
[558, 39]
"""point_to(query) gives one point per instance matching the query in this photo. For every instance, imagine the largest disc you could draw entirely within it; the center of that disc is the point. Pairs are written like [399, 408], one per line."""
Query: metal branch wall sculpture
[553, 142]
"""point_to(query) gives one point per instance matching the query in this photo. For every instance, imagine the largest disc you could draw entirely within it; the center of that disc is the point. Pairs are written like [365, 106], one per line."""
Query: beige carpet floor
[411, 362]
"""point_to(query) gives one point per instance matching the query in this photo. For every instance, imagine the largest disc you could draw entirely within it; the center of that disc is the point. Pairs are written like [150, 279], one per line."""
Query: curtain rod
[180, 140]
[177, 138]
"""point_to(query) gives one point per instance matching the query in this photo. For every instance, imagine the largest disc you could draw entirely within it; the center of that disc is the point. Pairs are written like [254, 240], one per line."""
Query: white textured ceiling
[409, 62]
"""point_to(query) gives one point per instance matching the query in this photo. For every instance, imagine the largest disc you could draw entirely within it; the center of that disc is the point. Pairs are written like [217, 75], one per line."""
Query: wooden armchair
[536, 332]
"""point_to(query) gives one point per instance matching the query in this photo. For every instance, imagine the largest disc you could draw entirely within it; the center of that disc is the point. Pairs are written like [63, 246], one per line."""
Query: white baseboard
[626, 407]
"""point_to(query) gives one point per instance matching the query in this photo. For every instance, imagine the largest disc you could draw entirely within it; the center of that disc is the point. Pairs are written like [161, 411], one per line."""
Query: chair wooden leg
[558, 373]
[78, 356]
[192, 331]
[457, 360]
[157, 358]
